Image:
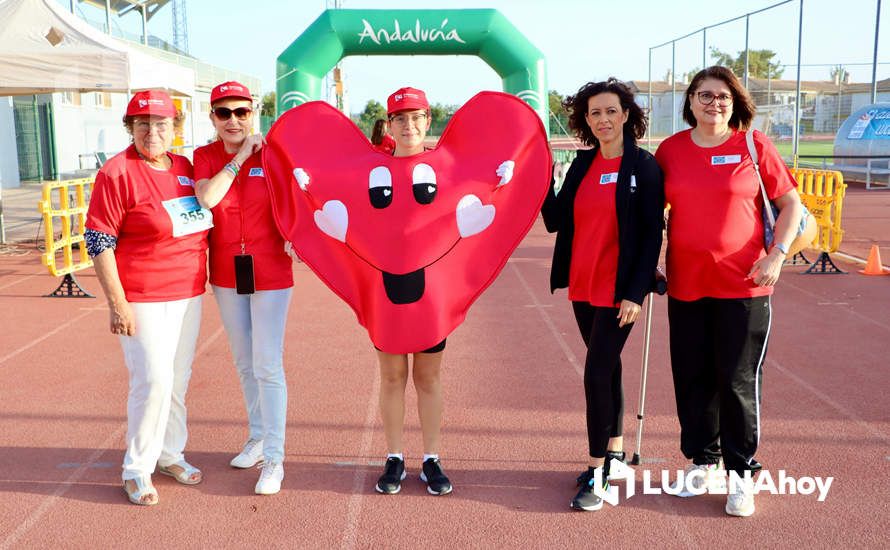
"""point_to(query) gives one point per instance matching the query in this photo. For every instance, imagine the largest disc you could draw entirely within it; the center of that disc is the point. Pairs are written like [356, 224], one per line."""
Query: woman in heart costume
[410, 239]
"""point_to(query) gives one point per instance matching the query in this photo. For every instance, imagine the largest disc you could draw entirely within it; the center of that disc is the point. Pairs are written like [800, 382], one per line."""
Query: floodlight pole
[649, 106]
[673, 87]
[704, 48]
[874, 63]
[795, 134]
[747, 51]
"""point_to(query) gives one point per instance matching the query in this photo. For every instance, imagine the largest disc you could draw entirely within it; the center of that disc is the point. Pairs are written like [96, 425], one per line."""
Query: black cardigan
[640, 212]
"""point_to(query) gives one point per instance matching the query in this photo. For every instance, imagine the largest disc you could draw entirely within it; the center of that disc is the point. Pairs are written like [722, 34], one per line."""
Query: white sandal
[185, 476]
[143, 489]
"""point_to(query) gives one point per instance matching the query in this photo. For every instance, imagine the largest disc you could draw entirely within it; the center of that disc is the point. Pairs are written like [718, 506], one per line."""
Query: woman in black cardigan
[608, 216]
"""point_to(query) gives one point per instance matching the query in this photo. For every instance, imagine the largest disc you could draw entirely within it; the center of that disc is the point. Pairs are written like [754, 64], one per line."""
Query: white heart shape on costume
[472, 216]
[333, 219]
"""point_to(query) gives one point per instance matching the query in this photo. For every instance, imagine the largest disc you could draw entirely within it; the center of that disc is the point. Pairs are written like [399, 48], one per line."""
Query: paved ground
[514, 427]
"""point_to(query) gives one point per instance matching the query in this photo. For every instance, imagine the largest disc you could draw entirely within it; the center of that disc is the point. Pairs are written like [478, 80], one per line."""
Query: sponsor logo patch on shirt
[717, 160]
[186, 181]
[608, 178]
[254, 172]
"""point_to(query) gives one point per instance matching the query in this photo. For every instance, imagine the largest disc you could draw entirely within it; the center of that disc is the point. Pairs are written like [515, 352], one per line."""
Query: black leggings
[602, 373]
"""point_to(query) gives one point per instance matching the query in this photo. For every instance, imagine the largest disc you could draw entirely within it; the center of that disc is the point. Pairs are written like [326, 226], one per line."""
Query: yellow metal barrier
[822, 191]
[72, 218]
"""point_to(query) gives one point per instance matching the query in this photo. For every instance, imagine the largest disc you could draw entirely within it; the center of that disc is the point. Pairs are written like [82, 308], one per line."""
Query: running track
[514, 428]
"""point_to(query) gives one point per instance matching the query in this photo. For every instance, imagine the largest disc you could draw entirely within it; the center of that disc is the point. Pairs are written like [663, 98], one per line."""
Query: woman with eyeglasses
[721, 279]
[147, 236]
[409, 121]
[608, 219]
[251, 275]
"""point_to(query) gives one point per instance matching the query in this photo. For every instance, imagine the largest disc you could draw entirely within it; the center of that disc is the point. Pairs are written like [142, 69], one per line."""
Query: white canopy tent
[45, 49]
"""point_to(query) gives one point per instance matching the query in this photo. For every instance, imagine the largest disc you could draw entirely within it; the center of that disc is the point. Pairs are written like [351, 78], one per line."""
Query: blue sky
[581, 39]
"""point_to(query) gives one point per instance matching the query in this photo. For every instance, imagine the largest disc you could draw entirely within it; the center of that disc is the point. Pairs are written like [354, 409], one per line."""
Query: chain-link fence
[813, 61]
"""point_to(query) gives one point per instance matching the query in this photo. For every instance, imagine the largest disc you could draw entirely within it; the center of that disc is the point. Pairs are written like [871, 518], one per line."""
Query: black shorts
[435, 349]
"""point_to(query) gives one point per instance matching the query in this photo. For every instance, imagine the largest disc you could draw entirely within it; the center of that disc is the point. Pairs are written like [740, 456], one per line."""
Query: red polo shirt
[245, 212]
[161, 231]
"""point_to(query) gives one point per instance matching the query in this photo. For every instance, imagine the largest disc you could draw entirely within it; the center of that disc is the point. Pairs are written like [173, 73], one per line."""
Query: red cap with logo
[151, 102]
[406, 99]
[230, 89]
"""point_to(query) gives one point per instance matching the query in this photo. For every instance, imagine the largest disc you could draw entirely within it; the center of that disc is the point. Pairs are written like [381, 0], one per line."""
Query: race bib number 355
[187, 216]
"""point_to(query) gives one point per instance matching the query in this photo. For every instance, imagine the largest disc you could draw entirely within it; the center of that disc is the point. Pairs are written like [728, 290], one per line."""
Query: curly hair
[743, 108]
[576, 105]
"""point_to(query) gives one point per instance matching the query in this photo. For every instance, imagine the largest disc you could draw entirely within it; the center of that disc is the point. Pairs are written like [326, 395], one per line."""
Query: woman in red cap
[147, 236]
[250, 273]
[409, 121]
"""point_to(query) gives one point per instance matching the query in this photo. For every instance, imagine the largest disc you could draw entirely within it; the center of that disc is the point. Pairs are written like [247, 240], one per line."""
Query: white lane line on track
[784, 281]
[22, 280]
[570, 355]
[39, 339]
[356, 499]
[825, 398]
[91, 461]
[63, 487]
[682, 528]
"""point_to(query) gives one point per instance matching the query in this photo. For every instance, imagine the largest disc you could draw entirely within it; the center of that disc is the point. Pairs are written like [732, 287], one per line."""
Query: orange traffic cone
[874, 267]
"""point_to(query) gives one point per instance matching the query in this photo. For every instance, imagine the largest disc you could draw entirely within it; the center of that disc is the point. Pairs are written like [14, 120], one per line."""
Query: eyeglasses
[707, 98]
[160, 126]
[224, 113]
[402, 120]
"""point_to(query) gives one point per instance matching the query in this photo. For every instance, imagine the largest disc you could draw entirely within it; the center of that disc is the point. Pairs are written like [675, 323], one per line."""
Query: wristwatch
[782, 248]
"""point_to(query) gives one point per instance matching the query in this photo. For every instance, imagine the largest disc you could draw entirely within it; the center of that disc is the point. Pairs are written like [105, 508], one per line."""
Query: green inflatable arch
[340, 33]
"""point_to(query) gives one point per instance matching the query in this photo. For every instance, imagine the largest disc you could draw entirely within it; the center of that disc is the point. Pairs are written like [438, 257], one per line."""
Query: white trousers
[255, 327]
[159, 358]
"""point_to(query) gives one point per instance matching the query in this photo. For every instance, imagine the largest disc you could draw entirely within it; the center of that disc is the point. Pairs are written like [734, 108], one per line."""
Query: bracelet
[232, 168]
[782, 248]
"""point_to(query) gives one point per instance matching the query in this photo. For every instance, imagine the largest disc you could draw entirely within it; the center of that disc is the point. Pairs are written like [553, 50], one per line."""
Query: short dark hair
[743, 107]
[576, 105]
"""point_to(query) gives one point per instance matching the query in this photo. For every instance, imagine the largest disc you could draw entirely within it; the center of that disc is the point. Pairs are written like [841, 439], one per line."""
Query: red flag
[408, 242]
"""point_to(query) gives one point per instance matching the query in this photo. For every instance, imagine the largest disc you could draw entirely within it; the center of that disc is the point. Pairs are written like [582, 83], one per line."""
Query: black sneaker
[586, 500]
[585, 477]
[390, 482]
[437, 482]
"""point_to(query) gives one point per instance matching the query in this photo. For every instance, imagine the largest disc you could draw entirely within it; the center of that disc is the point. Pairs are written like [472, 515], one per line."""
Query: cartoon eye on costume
[380, 187]
[424, 178]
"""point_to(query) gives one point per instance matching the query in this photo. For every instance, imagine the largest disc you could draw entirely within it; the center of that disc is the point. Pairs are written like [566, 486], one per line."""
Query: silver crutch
[660, 288]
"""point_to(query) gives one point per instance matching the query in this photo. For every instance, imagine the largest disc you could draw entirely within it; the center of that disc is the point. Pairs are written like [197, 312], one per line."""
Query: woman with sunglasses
[721, 279]
[250, 273]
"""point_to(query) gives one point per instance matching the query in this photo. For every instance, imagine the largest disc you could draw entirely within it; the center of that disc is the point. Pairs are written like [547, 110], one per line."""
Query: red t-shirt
[146, 209]
[387, 145]
[715, 231]
[595, 243]
[246, 205]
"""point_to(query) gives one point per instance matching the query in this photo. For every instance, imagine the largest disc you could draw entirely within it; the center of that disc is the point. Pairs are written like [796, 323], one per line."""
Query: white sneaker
[250, 456]
[740, 501]
[270, 478]
[713, 480]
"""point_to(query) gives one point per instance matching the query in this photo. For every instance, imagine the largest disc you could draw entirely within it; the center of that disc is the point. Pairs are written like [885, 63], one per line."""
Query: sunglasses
[224, 113]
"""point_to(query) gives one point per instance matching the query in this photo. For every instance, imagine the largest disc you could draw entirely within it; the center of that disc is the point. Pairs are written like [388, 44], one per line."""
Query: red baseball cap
[151, 102]
[406, 99]
[230, 89]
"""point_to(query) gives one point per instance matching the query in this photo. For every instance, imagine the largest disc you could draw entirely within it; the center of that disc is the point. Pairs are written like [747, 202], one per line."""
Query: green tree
[267, 105]
[367, 118]
[839, 74]
[760, 64]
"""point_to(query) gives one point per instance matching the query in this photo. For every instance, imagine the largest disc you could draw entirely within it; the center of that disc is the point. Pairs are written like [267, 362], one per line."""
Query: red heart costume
[408, 242]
